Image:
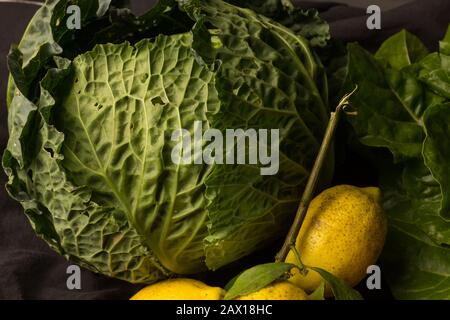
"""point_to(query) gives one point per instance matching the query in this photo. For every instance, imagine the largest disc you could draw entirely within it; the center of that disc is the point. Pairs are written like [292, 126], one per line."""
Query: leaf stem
[302, 268]
[311, 184]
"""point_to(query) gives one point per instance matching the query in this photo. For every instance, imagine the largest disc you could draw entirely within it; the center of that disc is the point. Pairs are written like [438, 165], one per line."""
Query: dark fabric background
[29, 269]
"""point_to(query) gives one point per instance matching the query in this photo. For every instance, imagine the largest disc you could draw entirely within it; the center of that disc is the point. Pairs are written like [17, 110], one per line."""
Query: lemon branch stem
[302, 268]
[311, 184]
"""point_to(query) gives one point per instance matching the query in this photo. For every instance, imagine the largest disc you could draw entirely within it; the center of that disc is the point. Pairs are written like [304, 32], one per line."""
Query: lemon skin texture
[283, 290]
[179, 289]
[343, 232]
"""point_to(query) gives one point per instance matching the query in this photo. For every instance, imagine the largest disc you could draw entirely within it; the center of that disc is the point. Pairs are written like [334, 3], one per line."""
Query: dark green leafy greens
[403, 105]
[92, 111]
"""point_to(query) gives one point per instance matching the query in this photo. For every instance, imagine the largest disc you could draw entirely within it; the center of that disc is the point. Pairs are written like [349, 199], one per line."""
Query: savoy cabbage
[90, 117]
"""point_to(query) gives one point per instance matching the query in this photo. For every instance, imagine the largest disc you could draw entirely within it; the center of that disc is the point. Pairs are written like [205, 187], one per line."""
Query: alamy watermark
[373, 22]
[236, 146]
[73, 281]
[74, 19]
[373, 281]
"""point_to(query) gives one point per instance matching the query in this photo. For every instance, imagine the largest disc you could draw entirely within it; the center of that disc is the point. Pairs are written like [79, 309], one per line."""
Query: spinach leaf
[403, 105]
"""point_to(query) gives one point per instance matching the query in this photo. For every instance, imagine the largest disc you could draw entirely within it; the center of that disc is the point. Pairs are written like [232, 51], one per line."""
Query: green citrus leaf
[341, 290]
[256, 278]
[319, 293]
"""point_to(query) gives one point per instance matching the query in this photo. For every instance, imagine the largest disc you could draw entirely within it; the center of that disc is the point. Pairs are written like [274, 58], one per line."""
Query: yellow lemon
[343, 232]
[282, 290]
[179, 289]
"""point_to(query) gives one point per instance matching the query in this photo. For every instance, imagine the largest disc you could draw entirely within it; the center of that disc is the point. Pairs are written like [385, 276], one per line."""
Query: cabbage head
[92, 110]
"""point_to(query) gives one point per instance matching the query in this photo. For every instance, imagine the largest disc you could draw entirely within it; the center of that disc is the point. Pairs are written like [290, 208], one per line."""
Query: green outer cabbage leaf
[42, 40]
[60, 212]
[122, 105]
[259, 87]
[306, 23]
